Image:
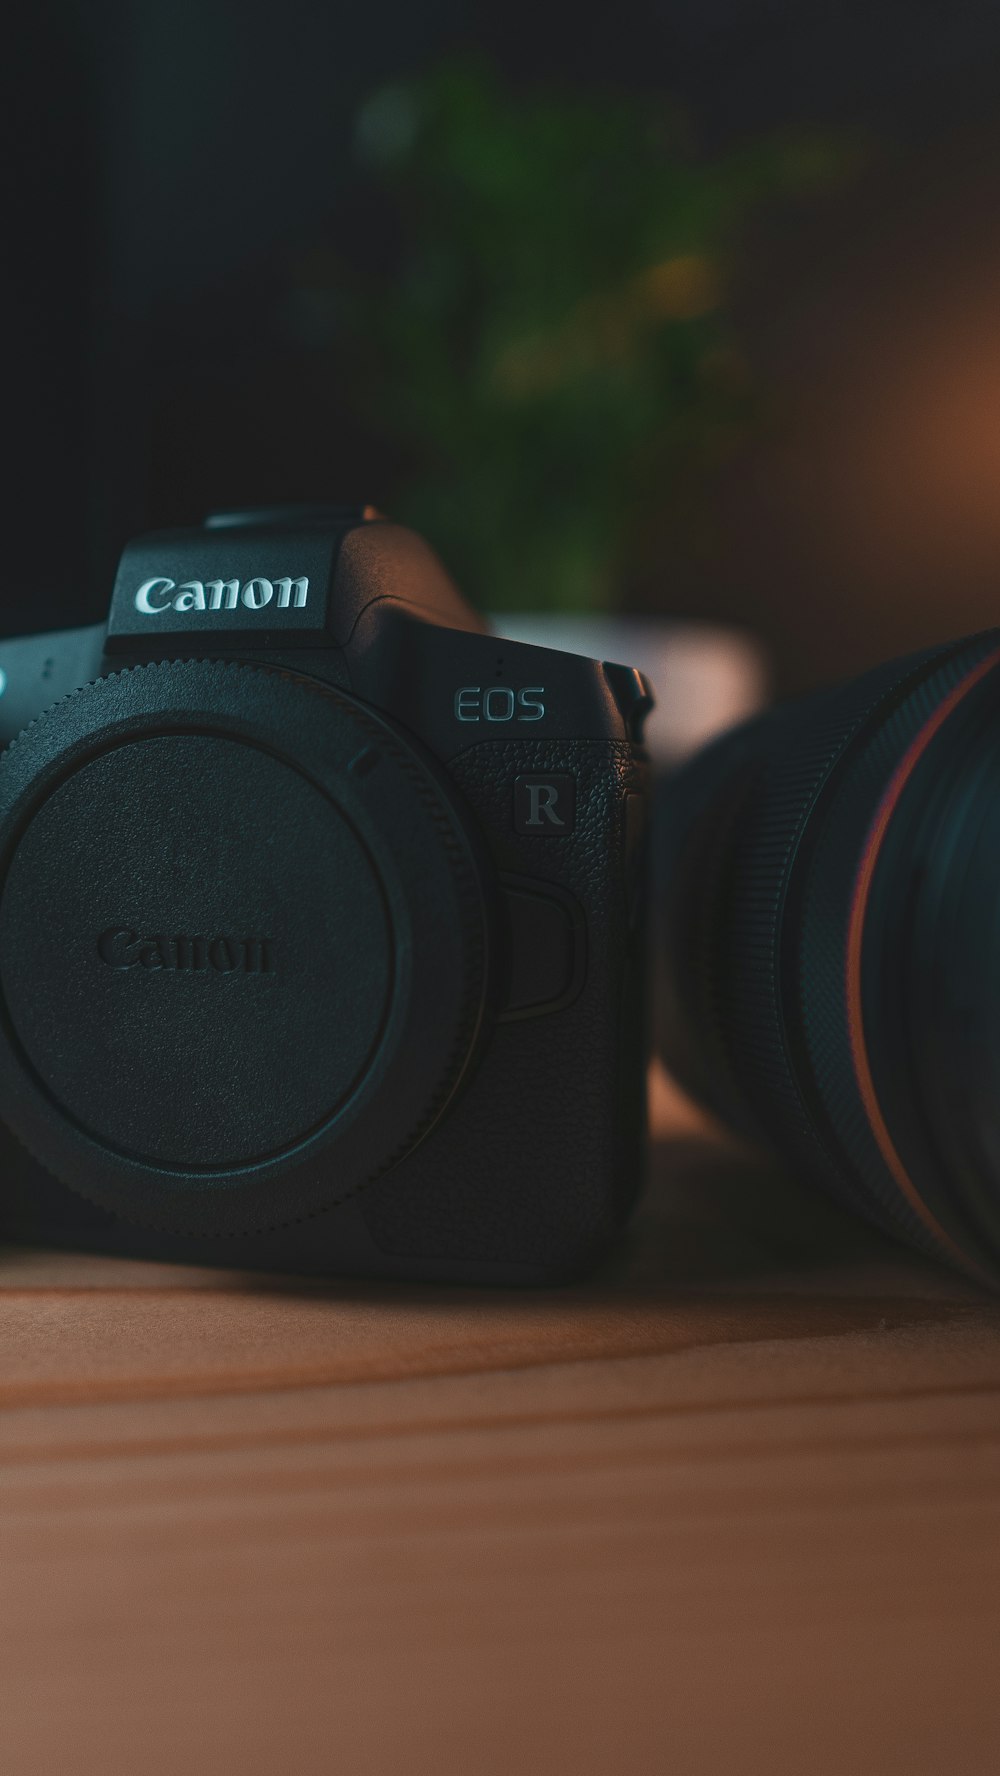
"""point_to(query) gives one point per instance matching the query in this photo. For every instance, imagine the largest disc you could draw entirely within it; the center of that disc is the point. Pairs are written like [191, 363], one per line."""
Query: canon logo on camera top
[155, 596]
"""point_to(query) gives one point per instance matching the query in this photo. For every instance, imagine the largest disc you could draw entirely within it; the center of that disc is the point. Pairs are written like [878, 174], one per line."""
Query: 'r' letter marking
[543, 799]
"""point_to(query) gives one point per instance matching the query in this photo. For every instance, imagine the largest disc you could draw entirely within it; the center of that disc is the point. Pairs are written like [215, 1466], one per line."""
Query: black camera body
[321, 918]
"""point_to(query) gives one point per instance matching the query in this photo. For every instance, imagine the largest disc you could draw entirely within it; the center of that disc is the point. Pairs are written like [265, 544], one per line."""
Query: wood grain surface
[732, 1505]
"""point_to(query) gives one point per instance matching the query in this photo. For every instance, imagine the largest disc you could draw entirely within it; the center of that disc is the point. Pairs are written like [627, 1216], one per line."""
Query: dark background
[163, 166]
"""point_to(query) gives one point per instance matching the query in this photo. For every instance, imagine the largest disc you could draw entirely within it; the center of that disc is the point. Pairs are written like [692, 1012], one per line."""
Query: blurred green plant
[550, 350]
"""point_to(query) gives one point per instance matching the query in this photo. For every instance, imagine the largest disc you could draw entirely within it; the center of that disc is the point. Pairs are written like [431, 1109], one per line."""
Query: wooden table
[731, 1506]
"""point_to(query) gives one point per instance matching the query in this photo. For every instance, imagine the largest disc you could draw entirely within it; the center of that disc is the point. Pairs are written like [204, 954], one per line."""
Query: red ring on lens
[860, 896]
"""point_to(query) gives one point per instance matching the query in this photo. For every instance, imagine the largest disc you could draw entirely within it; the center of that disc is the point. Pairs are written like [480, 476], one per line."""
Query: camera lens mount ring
[245, 944]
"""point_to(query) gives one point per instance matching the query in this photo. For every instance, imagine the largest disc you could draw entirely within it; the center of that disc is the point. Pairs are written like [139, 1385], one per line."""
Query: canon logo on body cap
[163, 594]
[123, 947]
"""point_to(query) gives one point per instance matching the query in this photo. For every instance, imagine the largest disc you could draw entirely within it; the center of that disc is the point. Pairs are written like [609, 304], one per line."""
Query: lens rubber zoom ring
[778, 992]
[842, 968]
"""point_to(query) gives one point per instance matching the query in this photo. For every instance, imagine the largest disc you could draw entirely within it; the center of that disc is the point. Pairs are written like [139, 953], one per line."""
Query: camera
[829, 942]
[321, 918]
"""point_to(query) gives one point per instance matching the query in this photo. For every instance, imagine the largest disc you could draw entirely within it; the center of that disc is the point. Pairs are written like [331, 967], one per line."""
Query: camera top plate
[286, 577]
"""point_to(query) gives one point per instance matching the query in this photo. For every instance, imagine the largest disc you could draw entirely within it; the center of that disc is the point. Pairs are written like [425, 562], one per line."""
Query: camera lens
[244, 945]
[830, 949]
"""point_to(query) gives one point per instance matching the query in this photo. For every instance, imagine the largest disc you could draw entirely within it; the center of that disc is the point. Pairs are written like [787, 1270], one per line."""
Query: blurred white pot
[706, 678]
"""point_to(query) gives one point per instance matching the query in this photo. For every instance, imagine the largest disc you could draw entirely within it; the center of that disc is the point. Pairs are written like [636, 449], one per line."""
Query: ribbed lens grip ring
[781, 960]
[867, 953]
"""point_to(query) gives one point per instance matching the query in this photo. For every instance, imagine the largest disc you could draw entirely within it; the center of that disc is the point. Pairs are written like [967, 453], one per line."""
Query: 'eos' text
[499, 703]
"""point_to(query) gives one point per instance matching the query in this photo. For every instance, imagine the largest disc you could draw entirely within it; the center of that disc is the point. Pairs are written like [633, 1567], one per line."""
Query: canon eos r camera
[321, 918]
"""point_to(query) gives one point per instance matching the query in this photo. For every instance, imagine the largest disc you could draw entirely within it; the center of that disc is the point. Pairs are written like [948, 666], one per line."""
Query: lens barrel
[830, 950]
